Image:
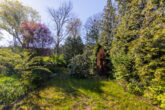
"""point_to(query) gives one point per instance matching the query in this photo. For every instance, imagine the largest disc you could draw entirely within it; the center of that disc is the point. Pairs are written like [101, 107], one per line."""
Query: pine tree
[72, 47]
[126, 34]
[138, 47]
[92, 29]
[107, 25]
[150, 50]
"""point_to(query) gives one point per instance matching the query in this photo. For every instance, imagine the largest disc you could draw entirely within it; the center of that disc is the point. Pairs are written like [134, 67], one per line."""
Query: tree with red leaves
[36, 35]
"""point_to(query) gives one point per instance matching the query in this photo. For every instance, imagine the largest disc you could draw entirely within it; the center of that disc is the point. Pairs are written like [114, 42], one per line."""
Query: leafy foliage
[25, 65]
[54, 63]
[93, 29]
[79, 66]
[93, 58]
[131, 32]
[137, 51]
[36, 35]
[11, 89]
[12, 15]
[72, 47]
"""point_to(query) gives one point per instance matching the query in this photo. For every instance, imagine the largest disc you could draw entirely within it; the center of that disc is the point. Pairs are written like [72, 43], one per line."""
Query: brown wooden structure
[101, 62]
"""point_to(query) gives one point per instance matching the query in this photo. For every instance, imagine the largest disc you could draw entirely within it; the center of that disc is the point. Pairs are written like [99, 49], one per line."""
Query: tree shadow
[73, 86]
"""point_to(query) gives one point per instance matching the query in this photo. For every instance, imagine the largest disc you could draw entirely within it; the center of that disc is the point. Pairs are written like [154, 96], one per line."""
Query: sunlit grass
[83, 94]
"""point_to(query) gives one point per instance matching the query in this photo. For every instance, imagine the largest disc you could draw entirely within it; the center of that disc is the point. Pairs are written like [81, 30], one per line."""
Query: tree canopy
[12, 15]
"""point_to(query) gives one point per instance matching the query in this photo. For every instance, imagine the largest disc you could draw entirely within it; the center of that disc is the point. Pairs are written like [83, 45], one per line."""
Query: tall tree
[127, 32]
[60, 17]
[12, 15]
[138, 50]
[72, 47]
[73, 27]
[105, 39]
[36, 35]
[108, 23]
[150, 50]
[92, 29]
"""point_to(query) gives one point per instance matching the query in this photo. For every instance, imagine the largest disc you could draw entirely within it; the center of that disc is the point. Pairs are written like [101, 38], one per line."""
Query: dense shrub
[24, 64]
[135, 87]
[79, 66]
[138, 50]
[73, 46]
[54, 62]
[161, 99]
[122, 61]
[8, 61]
[93, 58]
[11, 89]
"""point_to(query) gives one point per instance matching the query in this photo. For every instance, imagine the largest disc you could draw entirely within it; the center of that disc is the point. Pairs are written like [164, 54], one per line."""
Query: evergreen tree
[138, 47]
[108, 23]
[92, 28]
[72, 47]
[150, 50]
[126, 33]
[105, 39]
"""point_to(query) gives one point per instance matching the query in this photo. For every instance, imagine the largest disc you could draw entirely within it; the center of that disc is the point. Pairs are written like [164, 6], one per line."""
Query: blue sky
[81, 8]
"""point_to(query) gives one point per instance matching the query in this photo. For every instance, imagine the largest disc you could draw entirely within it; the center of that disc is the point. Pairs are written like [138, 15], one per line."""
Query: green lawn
[83, 94]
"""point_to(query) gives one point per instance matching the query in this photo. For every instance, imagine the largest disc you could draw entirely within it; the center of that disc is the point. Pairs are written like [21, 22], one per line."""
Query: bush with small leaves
[54, 63]
[79, 66]
[25, 65]
[11, 89]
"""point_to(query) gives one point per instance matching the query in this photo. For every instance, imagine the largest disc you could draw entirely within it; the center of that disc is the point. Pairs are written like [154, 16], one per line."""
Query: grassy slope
[78, 94]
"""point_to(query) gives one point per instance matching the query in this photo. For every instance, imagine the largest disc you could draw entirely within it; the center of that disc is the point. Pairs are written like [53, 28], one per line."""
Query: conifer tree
[138, 47]
[92, 29]
[126, 33]
[107, 25]
[150, 50]
[72, 47]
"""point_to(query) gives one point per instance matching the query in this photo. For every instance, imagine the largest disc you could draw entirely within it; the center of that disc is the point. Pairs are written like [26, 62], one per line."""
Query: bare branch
[60, 17]
[74, 27]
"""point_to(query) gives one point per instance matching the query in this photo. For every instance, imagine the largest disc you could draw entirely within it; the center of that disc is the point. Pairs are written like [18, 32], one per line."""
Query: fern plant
[24, 64]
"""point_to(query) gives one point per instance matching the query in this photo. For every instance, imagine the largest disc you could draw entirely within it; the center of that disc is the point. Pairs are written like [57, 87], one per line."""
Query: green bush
[93, 58]
[79, 66]
[8, 61]
[24, 64]
[156, 94]
[161, 99]
[11, 89]
[54, 63]
[135, 87]
[34, 73]
[73, 46]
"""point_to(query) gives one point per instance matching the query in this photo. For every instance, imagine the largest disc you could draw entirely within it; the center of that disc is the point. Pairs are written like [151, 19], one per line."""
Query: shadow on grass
[63, 84]
[73, 86]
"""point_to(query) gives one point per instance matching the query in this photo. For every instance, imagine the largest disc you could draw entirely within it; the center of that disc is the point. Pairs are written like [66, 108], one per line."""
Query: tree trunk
[58, 45]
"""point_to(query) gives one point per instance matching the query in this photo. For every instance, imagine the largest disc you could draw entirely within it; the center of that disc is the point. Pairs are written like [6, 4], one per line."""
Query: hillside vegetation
[119, 62]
